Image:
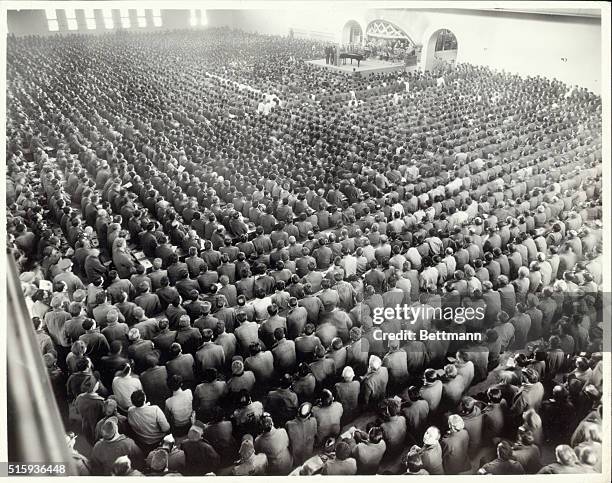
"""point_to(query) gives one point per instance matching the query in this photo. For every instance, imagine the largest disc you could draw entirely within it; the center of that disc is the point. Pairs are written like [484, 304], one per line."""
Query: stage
[366, 67]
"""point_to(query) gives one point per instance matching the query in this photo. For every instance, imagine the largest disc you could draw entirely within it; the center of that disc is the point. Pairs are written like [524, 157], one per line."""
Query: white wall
[537, 48]
[27, 22]
[324, 22]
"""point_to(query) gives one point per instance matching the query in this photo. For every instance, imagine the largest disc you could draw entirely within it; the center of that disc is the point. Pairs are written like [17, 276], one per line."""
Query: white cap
[374, 362]
[347, 373]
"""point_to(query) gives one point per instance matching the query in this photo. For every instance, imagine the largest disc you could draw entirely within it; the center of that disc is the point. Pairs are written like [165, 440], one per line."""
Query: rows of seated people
[206, 277]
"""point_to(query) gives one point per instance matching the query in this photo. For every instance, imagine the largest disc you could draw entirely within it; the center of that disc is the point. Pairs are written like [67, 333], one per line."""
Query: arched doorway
[352, 33]
[441, 49]
[387, 41]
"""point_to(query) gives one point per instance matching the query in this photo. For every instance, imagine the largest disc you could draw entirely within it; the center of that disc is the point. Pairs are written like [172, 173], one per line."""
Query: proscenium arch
[387, 30]
[349, 27]
[429, 49]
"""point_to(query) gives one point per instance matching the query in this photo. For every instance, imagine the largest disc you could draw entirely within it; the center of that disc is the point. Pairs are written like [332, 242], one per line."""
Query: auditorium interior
[234, 237]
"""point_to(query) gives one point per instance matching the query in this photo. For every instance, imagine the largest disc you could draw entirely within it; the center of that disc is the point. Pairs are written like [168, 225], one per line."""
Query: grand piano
[353, 56]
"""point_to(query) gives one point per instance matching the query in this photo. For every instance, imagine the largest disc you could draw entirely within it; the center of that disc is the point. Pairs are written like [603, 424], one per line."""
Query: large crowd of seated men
[207, 231]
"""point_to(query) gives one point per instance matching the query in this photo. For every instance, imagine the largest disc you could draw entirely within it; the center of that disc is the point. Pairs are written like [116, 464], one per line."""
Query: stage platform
[366, 67]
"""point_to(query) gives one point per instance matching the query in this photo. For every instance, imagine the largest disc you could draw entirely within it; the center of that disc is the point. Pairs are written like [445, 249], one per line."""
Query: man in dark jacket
[148, 301]
[90, 405]
[529, 396]
[93, 267]
[396, 362]
[154, 382]
[374, 384]
[164, 340]
[165, 293]
[139, 349]
[181, 365]
[111, 446]
[209, 355]
[188, 337]
[455, 447]
[194, 262]
[302, 432]
[200, 457]
[97, 345]
[282, 402]
[504, 464]
[323, 369]
[113, 362]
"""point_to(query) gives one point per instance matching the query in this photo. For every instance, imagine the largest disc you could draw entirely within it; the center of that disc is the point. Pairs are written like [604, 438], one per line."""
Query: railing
[35, 430]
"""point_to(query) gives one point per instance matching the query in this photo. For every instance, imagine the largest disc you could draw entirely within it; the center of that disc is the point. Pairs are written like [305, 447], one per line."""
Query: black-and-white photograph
[306, 238]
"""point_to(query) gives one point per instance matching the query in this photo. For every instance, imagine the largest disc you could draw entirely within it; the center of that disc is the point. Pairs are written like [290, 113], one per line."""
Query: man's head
[112, 316]
[431, 436]
[504, 451]
[209, 375]
[207, 335]
[530, 375]
[134, 334]
[175, 382]
[565, 455]
[90, 384]
[455, 423]
[138, 398]
[89, 324]
[122, 466]
[279, 333]
[343, 451]
[109, 429]
[175, 350]
[159, 460]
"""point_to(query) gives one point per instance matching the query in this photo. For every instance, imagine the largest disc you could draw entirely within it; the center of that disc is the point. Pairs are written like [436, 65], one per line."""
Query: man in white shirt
[179, 407]
[149, 424]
